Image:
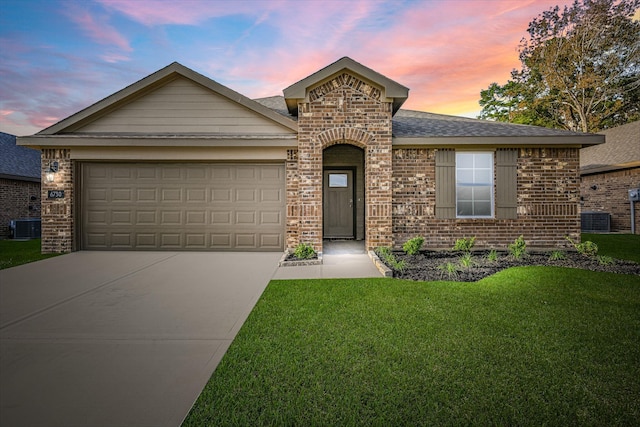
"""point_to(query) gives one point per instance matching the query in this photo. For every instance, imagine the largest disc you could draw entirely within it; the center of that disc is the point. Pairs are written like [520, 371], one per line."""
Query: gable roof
[621, 150]
[391, 89]
[148, 84]
[19, 163]
[422, 128]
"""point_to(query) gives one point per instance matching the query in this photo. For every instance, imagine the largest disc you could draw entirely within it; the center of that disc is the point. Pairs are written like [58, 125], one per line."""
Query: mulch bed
[429, 265]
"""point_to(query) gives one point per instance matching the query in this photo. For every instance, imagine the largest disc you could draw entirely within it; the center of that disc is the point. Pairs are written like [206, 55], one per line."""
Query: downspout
[634, 196]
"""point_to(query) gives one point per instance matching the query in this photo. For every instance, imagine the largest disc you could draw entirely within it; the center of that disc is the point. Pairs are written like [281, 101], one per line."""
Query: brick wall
[343, 110]
[548, 202]
[611, 194]
[18, 199]
[57, 214]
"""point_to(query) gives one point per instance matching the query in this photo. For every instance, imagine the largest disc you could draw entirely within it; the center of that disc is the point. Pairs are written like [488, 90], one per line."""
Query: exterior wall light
[50, 174]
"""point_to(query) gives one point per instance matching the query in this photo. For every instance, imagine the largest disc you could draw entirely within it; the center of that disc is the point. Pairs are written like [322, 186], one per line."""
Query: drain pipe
[634, 196]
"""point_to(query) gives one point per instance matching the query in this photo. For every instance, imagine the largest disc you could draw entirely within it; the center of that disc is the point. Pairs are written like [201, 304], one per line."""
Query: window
[338, 180]
[474, 185]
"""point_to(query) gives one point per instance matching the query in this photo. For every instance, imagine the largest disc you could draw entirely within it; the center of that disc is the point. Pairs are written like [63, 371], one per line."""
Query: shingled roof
[621, 150]
[16, 162]
[418, 127]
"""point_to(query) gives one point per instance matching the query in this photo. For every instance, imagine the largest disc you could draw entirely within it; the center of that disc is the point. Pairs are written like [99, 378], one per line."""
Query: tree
[580, 70]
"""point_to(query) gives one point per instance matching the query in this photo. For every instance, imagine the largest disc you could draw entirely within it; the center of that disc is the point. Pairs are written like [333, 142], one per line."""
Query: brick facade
[344, 110]
[348, 104]
[611, 194]
[548, 202]
[57, 214]
[18, 200]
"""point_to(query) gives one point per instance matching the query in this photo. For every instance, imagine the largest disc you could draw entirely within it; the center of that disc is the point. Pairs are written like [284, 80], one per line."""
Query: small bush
[518, 248]
[492, 256]
[413, 246]
[605, 260]
[587, 248]
[304, 251]
[557, 256]
[386, 255]
[464, 244]
[450, 269]
[466, 261]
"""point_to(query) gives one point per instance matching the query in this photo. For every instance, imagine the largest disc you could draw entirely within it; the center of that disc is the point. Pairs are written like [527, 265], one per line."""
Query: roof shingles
[621, 148]
[18, 162]
[419, 124]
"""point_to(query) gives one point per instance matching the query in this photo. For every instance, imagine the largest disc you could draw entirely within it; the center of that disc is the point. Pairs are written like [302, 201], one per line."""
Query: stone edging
[298, 263]
[383, 269]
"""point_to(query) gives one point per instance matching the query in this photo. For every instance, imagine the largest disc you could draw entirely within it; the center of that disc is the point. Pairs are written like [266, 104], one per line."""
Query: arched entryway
[343, 194]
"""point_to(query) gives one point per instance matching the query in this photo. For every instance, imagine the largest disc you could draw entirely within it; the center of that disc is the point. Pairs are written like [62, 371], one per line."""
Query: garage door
[188, 206]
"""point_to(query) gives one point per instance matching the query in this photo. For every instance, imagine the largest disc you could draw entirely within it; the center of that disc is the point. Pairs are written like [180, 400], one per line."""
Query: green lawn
[527, 346]
[17, 252]
[622, 246]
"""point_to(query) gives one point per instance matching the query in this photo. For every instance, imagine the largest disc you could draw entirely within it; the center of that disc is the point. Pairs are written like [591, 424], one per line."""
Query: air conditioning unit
[25, 228]
[595, 221]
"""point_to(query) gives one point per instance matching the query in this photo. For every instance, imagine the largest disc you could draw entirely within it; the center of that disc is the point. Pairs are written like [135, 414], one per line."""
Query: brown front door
[338, 204]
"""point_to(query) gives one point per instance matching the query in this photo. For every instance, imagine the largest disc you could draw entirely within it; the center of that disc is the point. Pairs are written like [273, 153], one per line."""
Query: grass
[527, 346]
[621, 246]
[17, 252]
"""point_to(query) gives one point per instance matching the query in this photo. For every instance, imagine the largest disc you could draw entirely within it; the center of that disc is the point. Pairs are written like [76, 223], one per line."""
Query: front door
[338, 204]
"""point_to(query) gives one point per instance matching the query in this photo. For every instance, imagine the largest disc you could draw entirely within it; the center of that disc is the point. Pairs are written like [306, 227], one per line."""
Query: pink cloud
[98, 28]
[151, 12]
[445, 52]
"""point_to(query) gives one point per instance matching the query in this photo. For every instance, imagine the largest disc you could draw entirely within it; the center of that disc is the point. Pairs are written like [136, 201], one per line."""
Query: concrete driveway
[119, 338]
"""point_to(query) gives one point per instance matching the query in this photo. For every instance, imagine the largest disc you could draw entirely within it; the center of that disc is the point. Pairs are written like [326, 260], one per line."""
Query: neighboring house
[19, 183]
[178, 161]
[608, 172]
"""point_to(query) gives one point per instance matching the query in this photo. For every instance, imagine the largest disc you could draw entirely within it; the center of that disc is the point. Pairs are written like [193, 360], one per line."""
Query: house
[178, 161]
[19, 183]
[608, 172]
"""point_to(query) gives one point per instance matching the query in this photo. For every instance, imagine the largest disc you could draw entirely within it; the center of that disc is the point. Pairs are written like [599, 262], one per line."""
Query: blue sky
[60, 56]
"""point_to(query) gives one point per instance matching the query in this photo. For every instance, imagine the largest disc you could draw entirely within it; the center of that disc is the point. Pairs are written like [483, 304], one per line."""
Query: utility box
[28, 228]
[634, 195]
[599, 222]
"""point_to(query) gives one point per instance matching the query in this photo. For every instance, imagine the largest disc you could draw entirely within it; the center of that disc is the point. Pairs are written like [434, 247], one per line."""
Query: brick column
[345, 110]
[57, 213]
[293, 200]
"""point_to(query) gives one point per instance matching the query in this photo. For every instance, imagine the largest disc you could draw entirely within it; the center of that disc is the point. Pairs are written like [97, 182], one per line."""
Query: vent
[25, 228]
[595, 221]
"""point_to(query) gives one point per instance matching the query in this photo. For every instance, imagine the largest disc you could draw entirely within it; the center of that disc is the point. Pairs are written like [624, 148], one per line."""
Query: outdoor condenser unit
[595, 221]
[25, 228]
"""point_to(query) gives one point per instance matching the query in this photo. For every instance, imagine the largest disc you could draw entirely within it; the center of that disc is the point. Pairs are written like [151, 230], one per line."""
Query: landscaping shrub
[586, 248]
[605, 260]
[518, 248]
[386, 254]
[450, 269]
[464, 244]
[413, 246]
[492, 256]
[304, 251]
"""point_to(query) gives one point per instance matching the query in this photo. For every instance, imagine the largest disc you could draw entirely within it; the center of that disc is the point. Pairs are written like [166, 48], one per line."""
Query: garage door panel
[171, 195]
[221, 218]
[146, 240]
[146, 217]
[183, 206]
[121, 241]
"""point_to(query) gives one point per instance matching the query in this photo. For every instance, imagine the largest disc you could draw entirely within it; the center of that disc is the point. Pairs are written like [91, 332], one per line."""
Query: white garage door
[186, 206]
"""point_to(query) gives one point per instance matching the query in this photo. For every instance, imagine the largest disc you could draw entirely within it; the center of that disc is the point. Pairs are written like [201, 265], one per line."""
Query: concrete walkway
[347, 259]
[119, 338]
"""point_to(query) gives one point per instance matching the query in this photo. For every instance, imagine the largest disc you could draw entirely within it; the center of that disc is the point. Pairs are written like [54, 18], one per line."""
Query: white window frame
[474, 182]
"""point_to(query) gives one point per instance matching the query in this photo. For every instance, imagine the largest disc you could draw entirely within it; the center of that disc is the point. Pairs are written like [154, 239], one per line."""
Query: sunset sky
[60, 56]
